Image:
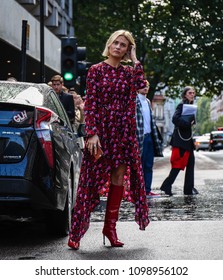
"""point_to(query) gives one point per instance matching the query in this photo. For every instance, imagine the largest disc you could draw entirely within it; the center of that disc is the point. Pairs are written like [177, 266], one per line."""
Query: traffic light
[86, 65]
[81, 63]
[82, 67]
[69, 61]
[73, 63]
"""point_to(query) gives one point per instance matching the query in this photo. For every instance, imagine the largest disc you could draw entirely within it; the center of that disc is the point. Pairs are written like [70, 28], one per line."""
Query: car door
[67, 152]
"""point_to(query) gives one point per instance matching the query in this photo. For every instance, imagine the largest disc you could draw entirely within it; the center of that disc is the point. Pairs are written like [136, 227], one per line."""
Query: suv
[216, 140]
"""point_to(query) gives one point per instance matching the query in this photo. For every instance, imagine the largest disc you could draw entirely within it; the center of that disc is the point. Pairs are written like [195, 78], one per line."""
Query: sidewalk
[181, 228]
[162, 240]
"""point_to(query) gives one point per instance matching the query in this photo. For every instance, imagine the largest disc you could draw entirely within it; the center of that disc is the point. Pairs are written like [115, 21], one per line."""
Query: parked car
[202, 142]
[195, 137]
[216, 140]
[39, 155]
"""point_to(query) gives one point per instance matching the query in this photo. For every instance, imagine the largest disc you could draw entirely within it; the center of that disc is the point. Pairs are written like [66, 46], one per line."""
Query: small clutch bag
[99, 153]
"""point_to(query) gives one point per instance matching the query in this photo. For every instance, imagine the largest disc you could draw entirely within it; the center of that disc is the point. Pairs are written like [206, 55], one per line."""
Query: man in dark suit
[65, 98]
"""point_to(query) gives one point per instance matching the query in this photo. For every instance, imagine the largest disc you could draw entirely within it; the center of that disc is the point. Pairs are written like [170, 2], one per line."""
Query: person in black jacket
[182, 147]
[65, 98]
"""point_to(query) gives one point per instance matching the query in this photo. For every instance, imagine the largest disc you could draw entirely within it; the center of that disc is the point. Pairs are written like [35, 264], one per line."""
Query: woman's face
[119, 47]
[190, 94]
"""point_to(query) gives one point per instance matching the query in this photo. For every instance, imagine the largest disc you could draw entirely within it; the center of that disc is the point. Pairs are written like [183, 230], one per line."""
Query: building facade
[57, 22]
[163, 110]
[216, 107]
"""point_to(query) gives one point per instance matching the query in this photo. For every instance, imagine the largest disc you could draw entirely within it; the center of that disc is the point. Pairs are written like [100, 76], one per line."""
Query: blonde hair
[147, 83]
[113, 37]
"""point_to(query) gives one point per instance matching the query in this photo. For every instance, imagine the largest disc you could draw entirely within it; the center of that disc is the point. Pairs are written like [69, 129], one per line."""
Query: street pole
[23, 51]
[42, 63]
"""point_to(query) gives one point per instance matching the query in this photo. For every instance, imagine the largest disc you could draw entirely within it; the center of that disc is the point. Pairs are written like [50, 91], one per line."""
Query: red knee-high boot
[111, 216]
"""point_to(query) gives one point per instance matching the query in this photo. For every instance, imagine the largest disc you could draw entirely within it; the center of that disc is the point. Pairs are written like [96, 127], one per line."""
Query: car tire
[59, 222]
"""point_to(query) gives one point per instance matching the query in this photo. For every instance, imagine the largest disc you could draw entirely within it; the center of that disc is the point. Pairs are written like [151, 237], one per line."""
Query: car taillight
[44, 118]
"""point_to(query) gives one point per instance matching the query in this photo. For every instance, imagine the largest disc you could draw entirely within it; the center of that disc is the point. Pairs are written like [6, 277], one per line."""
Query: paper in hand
[189, 109]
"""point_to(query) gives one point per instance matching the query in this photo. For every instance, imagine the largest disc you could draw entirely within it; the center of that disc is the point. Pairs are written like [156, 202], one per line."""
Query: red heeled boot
[74, 245]
[111, 216]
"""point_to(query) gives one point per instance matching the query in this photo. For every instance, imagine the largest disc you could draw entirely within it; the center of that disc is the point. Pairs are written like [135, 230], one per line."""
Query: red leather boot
[111, 216]
[73, 245]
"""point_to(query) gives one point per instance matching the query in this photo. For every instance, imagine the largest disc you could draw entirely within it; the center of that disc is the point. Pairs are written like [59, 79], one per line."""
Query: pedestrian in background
[12, 79]
[182, 147]
[65, 98]
[78, 108]
[111, 126]
[79, 122]
[148, 136]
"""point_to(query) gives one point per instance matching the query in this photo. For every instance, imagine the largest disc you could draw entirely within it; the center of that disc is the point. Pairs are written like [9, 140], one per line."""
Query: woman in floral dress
[111, 125]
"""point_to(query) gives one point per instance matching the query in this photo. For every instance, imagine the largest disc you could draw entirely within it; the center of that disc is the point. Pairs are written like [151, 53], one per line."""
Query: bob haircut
[113, 37]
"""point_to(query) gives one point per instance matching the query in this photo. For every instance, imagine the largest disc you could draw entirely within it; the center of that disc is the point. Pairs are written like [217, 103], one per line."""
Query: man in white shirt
[146, 130]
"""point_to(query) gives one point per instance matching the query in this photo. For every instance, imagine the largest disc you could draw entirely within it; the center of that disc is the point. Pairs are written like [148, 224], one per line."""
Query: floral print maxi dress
[110, 113]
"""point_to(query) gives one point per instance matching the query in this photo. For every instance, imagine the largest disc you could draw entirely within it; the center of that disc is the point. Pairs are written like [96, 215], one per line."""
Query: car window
[55, 105]
[218, 136]
[21, 93]
[16, 115]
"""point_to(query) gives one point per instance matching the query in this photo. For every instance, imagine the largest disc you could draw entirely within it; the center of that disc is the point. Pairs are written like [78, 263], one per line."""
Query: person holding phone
[111, 132]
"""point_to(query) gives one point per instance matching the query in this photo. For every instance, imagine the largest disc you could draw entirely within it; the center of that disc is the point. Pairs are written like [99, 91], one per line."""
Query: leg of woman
[117, 175]
[113, 204]
[167, 183]
[189, 175]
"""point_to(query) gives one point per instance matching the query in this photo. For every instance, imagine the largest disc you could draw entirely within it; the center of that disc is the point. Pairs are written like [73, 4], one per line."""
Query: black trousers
[189, 176]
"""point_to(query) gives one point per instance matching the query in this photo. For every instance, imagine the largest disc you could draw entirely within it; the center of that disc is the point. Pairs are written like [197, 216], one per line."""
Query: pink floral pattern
[110, 113]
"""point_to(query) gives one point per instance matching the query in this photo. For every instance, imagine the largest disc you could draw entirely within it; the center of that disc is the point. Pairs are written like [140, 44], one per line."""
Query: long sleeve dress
[110, 113]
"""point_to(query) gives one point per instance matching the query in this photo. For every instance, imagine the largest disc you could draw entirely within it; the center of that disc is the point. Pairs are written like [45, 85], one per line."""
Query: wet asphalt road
[208, 205]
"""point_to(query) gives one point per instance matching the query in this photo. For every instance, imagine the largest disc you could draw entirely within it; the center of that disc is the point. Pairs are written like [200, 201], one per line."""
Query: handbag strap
[184, 139]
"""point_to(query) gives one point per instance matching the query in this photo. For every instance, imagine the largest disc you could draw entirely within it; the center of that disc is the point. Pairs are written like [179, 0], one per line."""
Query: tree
[178, 41]
[219, 122]
[203, 122]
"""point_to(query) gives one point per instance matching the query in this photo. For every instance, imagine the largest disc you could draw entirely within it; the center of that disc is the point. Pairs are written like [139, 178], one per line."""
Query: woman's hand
[133, 54]
[92, 144]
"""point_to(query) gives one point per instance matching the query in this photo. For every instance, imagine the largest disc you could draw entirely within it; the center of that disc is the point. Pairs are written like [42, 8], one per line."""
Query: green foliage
[203, 116]
[204, 124]
[219, 122]
[179, 42]
[203, 112]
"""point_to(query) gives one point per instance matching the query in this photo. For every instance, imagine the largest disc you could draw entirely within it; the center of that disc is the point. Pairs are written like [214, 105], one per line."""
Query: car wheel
[59, 222]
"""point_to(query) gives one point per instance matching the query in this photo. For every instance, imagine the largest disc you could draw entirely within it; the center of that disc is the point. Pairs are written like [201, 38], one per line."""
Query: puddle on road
[207, 205]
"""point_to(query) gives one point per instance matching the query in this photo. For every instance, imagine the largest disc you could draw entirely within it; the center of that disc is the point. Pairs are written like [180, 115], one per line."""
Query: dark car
[39, 155]
[216, 140]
